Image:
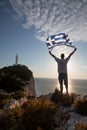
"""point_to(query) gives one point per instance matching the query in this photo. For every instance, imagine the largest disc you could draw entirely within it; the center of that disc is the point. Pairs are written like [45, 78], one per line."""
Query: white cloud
[54, 16]
[84, 67]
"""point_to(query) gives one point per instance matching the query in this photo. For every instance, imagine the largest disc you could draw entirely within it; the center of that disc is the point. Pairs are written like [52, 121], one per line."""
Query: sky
[25, 26]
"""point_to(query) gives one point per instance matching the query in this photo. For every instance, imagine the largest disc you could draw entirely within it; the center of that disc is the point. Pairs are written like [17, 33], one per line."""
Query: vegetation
[39, 113]
[12, 77]
[81, 126]
[4, 98]
[81, 106]
[34, 115]
[18, 94]
[62, 99]
[11, 119]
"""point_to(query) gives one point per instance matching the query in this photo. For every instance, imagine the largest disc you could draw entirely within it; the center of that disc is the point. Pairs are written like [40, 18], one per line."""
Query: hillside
[13, 78]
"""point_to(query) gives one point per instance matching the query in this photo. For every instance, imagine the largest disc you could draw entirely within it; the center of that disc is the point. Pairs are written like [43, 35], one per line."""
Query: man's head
[62, 56]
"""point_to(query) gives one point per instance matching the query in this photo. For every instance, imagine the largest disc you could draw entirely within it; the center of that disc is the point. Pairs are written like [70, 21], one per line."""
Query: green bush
[80, 126]
[62, 99]
[38, 114]
[81, 106]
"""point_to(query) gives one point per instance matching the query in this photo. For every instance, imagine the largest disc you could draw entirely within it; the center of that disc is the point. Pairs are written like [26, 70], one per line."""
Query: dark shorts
[63, 78]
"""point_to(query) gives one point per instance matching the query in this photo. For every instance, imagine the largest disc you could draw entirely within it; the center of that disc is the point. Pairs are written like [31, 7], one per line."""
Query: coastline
[48, 85]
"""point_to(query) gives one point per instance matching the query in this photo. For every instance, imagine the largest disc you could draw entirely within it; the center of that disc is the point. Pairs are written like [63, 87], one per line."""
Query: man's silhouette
[62, 69]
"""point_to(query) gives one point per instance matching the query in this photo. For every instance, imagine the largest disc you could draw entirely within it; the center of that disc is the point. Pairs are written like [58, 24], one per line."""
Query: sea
[47, 85]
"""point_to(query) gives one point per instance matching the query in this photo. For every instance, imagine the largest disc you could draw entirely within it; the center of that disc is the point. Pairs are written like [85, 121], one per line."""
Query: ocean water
[48, 85]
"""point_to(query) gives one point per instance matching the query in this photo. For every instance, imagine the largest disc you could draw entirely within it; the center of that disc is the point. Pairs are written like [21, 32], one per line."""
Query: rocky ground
[69, 119]
[65, 118]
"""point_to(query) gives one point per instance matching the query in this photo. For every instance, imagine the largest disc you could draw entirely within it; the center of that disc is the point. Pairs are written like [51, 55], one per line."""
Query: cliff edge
[17, 78]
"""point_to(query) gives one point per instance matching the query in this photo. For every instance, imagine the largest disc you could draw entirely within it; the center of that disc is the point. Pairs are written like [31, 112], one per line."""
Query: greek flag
[58, 40]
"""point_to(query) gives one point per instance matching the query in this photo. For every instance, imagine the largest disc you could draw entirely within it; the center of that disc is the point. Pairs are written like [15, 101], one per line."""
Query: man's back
[62, 70]
[62, 65]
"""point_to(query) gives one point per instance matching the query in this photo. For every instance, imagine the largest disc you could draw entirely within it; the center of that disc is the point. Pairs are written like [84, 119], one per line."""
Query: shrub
[34, 115]
[10, 84]
[62, 99]
[11, 119]
[3, 102]
[56, 97]
[39, 114]
[80, 126]
[81, 106]
[4, 98]
[18, 94]
[11, 77]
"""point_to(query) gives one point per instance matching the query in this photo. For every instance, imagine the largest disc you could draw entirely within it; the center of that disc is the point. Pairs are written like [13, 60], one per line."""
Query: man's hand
[52, 54]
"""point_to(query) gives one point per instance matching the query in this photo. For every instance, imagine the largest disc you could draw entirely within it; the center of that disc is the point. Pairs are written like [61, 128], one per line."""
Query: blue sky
[25, 25]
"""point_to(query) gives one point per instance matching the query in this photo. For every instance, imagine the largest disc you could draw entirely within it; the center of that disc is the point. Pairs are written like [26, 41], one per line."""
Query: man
[62, 69]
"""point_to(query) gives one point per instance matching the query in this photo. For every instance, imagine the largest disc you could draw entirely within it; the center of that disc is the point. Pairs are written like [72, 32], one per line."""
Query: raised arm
[52, 54]
[72, 52]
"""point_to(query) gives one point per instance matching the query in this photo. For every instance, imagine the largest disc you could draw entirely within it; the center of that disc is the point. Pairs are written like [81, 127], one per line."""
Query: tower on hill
[16, 59]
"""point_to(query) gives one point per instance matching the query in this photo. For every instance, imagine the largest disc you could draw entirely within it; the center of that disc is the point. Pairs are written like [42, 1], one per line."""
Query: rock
[69, 120]
[71, 128]
[81, 97]
[15, 103]
[29, 88]
[12, 104]
[74, 119]
[21, 101]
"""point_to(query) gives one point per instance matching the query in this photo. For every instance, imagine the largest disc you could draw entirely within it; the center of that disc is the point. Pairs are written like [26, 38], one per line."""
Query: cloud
[53, 16]
[84, 67]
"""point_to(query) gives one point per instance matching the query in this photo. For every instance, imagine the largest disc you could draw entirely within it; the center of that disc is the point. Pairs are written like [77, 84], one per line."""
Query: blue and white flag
[58, 40]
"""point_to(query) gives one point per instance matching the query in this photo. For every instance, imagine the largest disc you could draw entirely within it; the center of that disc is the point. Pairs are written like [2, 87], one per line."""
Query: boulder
[15, 103]
[12, 104]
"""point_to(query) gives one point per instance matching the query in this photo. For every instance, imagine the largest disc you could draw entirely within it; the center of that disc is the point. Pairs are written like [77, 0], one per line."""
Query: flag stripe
[57, 40]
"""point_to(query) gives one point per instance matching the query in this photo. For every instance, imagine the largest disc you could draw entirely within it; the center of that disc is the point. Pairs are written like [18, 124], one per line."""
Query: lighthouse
[16, 59]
